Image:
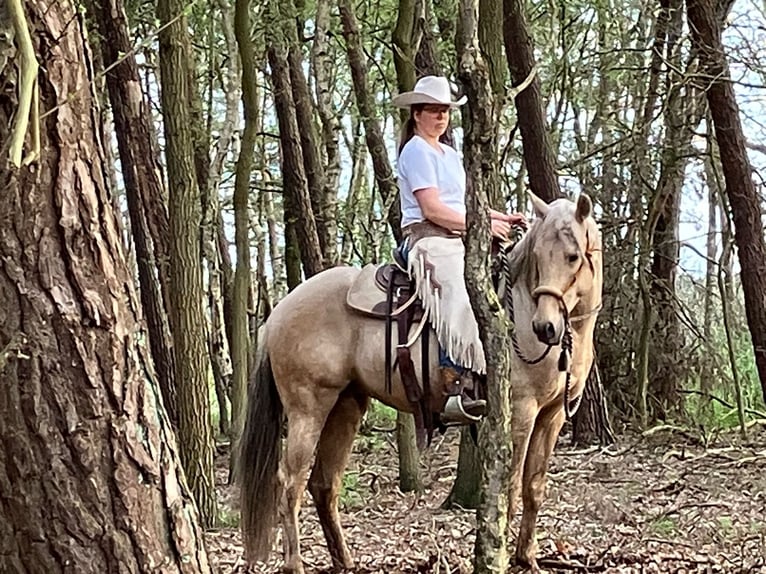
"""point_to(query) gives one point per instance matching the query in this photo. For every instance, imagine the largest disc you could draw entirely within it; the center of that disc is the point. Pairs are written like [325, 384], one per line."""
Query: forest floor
[658, 503]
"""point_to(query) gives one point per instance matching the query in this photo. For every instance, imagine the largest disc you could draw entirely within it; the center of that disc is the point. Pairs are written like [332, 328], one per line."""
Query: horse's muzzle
[546, 332]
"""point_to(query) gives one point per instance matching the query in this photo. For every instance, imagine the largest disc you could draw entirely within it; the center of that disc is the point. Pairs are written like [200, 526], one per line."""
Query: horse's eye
[573, 258]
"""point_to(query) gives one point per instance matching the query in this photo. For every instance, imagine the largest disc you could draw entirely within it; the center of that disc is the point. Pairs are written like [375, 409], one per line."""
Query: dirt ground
[659, 503]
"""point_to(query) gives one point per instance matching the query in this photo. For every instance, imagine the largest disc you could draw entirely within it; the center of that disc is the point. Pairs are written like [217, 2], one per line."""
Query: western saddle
[386, 292]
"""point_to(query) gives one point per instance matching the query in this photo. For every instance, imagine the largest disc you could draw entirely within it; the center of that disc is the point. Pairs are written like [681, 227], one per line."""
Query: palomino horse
[319, 363]
[556, 277]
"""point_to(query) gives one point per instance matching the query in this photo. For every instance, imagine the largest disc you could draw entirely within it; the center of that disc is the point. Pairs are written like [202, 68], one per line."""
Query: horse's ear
[540, 207]
[584, 207]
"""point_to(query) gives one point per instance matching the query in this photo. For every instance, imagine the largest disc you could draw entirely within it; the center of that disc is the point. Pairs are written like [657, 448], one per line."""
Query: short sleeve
[418, 167]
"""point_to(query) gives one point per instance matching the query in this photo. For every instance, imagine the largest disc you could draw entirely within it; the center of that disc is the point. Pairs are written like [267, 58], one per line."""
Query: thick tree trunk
[538, 155]
[491, 548]
[298, 212]
[133, 126]
[384, 176]
[187, 315]
[740, 188]
[91, 479]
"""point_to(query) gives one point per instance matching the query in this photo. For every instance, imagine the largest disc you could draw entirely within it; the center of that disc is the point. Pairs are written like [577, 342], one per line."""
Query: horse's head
[564, 260]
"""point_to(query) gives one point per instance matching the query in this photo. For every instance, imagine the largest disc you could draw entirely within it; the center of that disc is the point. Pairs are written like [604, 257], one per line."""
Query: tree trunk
[591, 422]
[91, 479]
[322, 206]
[240, 332]
[712, 179]
[297, 202]
[322, 64]
[187, 315]
[740, 188]
[519, 51]
[406, 41]
[491, 547]
[467, 486]
[138, 158]
[219, 341]
[381, 166]
[465, 489]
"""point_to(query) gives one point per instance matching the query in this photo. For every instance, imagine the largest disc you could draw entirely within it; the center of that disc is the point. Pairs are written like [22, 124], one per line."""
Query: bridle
[567, 340]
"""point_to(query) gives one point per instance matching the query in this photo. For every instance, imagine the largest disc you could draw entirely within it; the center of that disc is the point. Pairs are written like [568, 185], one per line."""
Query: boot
[460, 408]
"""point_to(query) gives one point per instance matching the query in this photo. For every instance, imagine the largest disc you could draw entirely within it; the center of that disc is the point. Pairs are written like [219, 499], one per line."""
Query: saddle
[387, 293]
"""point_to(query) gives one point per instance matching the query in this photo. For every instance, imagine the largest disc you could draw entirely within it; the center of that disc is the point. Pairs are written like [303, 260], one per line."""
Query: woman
[432, 196]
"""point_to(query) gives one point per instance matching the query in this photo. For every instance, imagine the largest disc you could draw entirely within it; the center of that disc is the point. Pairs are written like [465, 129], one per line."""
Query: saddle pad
[365, 296]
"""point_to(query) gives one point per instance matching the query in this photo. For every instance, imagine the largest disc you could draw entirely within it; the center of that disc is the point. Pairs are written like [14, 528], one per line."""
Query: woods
[173, 170]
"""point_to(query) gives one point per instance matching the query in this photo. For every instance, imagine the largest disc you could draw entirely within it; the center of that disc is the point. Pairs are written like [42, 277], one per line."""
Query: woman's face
[432, 120]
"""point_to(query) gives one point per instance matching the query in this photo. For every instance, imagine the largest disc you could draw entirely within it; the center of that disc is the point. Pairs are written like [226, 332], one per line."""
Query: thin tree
[298, 211]
[491, 547]
[91, 478]
[187, 316]
[240, 333]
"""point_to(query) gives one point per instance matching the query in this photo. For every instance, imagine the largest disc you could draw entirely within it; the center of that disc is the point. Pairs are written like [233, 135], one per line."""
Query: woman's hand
[500, 228]
[516, 219]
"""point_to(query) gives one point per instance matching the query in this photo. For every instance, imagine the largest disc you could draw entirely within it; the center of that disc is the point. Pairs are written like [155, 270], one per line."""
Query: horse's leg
[331, 460]
[304, 427]
[541, 445]
[522, 422]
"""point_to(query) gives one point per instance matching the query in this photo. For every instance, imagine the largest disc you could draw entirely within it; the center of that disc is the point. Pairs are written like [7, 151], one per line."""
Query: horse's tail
[258, 459]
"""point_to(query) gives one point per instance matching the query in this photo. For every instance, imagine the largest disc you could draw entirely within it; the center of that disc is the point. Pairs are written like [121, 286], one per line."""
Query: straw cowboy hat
[429, 90]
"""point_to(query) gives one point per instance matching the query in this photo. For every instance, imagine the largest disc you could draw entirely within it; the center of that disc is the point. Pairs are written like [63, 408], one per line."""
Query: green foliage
[379, 420]
[228, 518]
[664, 526]
[352, 493]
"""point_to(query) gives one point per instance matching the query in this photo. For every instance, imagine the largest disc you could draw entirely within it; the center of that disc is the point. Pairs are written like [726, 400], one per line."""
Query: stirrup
[455, 414]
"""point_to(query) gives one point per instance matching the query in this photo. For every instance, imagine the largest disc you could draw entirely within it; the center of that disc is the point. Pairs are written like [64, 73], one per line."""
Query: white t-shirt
[420, 166]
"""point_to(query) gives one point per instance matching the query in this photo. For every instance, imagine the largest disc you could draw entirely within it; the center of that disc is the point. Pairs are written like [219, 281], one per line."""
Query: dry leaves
[644, 506]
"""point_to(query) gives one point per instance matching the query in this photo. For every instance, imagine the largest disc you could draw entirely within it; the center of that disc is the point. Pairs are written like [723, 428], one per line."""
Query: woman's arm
[435, 211]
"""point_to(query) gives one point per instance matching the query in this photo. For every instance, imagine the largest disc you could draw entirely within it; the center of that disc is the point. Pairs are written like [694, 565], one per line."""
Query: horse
[555, 276]
[318, 364]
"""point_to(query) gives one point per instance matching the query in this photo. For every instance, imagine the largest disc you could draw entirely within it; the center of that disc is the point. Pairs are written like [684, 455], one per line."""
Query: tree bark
[381, 166]
[90, 476]
[740, 188]
[322, 205]
[297, 202]
[219, 340]
[466, 489]
[591, 421]
[491, 547]
[322, 63]
[538, 155]
[143, 187]
[187, 315]
[240, 332]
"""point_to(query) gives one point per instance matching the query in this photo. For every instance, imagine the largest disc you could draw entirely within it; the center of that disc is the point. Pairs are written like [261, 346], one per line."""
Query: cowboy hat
[429, 90]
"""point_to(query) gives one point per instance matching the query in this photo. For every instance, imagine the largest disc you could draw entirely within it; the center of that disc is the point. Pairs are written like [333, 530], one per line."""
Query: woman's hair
[408, 127]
